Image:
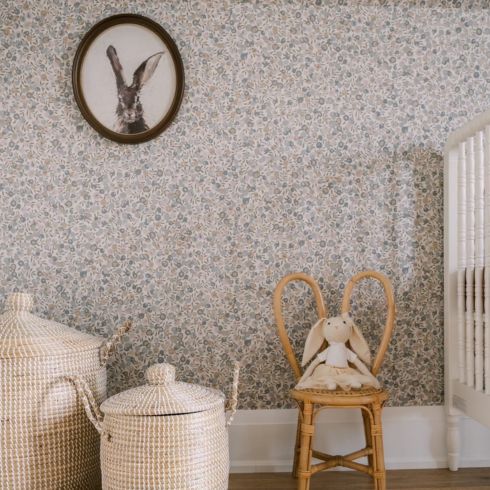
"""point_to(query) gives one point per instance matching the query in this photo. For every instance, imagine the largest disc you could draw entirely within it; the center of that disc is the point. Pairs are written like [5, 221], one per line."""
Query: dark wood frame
[87, 40]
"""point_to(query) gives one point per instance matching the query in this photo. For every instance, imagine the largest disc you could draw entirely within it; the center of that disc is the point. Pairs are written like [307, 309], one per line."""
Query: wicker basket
[46, 442]
[166, 435]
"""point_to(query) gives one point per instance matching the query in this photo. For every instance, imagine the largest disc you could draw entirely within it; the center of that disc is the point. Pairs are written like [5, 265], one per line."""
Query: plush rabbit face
[337, 329]
[340, 329]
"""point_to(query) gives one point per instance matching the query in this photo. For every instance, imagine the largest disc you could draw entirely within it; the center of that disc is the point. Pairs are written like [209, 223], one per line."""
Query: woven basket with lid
[46, 442]
[165, 435]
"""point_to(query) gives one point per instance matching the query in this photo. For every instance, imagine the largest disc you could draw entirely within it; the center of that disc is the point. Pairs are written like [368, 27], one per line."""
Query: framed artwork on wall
[128, 78]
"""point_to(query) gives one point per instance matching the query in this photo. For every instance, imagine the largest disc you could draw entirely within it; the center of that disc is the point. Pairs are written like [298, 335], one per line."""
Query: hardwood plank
[464, 479]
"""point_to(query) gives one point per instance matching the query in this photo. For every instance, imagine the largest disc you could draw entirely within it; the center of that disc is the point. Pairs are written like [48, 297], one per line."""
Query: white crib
[467, 278]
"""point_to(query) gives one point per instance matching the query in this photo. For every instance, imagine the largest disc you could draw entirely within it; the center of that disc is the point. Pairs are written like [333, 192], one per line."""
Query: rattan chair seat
[362, 396]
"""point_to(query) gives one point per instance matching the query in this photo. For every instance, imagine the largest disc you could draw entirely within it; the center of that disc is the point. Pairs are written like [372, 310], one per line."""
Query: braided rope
[108, 347]
[89, 403]
[233, 402]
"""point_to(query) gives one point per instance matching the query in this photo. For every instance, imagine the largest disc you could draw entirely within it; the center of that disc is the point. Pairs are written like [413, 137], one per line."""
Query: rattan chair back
[322, 312]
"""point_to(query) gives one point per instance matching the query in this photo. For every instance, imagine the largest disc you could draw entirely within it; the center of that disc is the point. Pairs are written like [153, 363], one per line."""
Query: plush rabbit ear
[313, 342]
[116, 65]
[359, 345]
[144, 72]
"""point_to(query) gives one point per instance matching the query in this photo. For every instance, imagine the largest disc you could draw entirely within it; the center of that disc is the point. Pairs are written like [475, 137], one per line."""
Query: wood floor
[464, 479]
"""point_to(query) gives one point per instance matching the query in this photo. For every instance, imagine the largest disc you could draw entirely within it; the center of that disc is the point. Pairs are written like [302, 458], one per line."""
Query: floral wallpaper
[309, 139]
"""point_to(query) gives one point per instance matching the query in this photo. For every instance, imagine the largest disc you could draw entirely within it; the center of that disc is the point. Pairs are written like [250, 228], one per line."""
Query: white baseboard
[414, 437]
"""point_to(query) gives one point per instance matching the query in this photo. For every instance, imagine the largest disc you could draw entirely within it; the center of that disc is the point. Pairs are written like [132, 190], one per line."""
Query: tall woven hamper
[46, 441]
[166, 435]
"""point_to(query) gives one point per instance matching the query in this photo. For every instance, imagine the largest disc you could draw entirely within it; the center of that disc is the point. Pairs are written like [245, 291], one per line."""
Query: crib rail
[467, 278]
[467, 242]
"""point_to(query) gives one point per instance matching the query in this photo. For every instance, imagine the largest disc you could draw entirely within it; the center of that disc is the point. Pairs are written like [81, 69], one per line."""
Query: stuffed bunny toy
[331, 366]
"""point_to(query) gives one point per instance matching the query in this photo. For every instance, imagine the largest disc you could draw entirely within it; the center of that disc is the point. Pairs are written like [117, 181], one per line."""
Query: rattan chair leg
[367, 433]
[377, 432]
[297, 446]
[307, 430]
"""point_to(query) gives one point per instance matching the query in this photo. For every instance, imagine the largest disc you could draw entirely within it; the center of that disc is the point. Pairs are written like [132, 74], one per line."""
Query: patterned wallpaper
[310, 139]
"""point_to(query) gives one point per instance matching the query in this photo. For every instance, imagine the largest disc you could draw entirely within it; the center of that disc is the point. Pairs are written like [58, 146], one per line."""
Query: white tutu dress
[334, 371]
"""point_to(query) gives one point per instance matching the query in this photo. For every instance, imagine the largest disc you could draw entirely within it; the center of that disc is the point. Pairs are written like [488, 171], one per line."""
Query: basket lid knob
[19, 302]
[160, 374]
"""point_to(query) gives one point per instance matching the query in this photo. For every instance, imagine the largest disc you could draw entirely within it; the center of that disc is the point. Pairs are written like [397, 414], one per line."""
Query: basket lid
[23, 334]
[163, 396]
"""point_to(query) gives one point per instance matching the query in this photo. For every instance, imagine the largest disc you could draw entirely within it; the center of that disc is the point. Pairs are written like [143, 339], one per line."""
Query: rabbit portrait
[129, 112]
[331, 367]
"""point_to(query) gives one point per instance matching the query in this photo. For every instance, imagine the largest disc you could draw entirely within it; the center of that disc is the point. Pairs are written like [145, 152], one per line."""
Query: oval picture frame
[128, 78]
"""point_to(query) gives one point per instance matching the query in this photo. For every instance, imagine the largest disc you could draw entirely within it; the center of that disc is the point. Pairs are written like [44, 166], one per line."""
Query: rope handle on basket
[89, 404]
[232, 403]
[110, 344]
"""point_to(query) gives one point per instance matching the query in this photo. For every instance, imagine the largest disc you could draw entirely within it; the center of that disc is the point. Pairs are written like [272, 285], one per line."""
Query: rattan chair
[311, 401]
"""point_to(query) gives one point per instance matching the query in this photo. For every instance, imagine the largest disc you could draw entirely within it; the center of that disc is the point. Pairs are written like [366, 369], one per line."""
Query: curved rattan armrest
[281, 328]
[390, 317]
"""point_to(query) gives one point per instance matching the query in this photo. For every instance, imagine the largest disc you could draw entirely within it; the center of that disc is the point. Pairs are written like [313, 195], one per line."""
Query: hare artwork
[331, 366]
[129, 111]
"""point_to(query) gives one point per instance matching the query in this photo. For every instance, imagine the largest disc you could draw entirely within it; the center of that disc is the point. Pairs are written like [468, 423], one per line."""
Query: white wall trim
[414, 437]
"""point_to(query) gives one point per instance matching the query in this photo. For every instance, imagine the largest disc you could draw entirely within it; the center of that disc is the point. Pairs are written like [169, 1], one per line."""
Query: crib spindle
[479, 259]
[461, 209]
[486, 162]
[470, 261]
